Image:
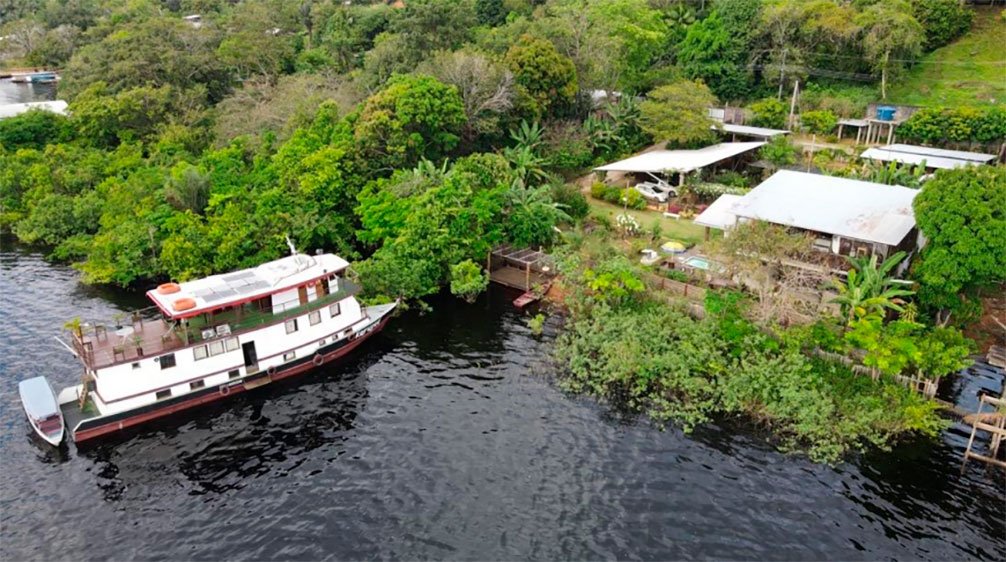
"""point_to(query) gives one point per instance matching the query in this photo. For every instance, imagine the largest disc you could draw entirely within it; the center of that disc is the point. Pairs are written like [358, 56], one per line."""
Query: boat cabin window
[167, 361]
[289, 356]
[334, 310]
[136, 365]
[314, 317]
[196, 385]
[291, 325]
[199, 352]
[215, 348]
[233, 374]
[162, 394]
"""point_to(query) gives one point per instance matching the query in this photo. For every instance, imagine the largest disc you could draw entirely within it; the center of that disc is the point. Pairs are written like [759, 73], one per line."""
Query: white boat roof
[867, 211]
[720, 214]
[14, 109]
[939, 162]
[940, 152]
[658, 161]
[38, 398]
[228, 289]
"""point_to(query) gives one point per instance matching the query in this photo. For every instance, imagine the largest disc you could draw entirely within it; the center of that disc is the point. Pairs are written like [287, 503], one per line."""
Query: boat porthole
[225, 390]
[270, 371]
[318, 359]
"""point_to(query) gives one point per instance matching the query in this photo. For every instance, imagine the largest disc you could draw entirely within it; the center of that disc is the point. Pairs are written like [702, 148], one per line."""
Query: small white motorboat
[39, 403]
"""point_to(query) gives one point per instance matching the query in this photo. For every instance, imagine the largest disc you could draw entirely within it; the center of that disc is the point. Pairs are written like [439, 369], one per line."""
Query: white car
[655, 191]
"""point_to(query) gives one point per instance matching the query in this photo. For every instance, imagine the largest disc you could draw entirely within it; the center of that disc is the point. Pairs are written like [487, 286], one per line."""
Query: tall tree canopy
[678, 113]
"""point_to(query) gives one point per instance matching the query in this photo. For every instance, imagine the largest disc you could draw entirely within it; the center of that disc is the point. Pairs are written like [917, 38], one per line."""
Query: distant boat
[39, 403]
[35, 77]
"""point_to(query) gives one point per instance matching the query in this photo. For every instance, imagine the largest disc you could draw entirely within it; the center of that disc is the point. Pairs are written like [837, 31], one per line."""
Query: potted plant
[138, 342]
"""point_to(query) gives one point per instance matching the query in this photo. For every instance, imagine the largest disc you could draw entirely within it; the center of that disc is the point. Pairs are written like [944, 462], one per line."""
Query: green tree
[33, 129]
[545, 78]
[963, 218]
[468, 280]
[942, 20]
[891, 34]
[490, 12]
[710, 52]
[413, 117]
[769, 112]
[678, 113]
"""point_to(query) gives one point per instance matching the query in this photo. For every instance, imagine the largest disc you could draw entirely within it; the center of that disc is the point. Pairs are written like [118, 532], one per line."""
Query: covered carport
[680, 162]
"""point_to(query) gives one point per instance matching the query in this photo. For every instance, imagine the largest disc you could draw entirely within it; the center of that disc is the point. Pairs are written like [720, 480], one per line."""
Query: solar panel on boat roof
[238, 276]
[258, 285]
[202, 293]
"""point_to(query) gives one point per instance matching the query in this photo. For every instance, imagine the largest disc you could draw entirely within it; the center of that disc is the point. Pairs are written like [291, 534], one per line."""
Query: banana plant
[869, 289]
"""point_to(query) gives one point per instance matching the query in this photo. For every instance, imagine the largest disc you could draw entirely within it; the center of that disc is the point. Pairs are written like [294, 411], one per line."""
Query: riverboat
[39, 403]
[35, 77]
[213, 338]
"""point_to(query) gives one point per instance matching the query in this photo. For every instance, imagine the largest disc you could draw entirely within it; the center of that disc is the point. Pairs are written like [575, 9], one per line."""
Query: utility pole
[782, 73]
[792, 104]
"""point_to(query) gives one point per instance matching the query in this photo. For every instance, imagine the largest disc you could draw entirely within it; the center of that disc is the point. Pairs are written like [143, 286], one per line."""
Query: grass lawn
[968, 71]
[680, 229]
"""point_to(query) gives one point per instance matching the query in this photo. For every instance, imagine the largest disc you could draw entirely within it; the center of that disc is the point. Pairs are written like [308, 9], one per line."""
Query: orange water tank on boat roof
[168, 288]
[183, 304]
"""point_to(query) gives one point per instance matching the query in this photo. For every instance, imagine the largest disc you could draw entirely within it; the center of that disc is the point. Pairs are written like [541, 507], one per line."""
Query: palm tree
[869, 288]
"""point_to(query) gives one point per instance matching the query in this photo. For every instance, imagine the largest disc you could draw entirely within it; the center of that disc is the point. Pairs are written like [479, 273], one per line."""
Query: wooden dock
[992, 422]
[520, 268]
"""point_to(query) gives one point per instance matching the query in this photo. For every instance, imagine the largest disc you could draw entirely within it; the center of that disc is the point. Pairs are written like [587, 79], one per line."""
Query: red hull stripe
[226, 390]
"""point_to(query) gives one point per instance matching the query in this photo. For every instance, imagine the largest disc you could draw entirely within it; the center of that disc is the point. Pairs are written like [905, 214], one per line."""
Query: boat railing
[147, 333]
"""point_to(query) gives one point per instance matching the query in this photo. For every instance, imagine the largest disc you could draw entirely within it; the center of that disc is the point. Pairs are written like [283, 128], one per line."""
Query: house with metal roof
[846, 217]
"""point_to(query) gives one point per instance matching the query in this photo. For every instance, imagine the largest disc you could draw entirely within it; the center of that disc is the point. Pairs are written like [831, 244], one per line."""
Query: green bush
[821, 122]
[935, 125]
[572, 201]
[942, 20]
[632, 198]
[468, 280]
[779, 151]
[769, 112]
[732, 179]
[598, 189]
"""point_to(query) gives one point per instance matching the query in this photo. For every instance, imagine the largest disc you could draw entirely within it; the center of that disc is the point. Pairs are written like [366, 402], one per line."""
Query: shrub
[732, 179]
[769, 112]
[572, 201]
[613, 194]
[598, 189]
[468, 280]
[779, 151]
[935, 125]
[821, 122]
[632, 198]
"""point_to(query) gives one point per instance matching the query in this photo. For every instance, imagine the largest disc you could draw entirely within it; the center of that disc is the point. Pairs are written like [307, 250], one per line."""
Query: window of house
[232, 344]
[199, 352]
[196, 385]
[334, 310]
[291, 326]
[167, 361]
[289, 356]
[314, 317]
[216, 347]
[233, 374]
[162, 394]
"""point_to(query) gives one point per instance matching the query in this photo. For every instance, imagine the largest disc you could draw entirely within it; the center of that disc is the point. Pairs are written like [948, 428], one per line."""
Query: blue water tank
[886, 112]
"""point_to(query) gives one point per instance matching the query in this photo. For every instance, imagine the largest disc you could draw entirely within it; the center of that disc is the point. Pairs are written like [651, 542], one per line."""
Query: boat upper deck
[147, 335]
[216, 292]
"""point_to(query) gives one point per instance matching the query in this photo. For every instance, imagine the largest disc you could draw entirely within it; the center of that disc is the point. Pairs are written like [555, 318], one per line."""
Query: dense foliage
[938, 125]
[649, 357]
[963, 217]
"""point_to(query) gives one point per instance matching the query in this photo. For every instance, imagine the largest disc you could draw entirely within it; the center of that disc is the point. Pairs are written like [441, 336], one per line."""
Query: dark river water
[11, 92]
[446, 438]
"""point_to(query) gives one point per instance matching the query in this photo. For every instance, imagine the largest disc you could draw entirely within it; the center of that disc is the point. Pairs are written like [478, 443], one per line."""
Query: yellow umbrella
[672, 247]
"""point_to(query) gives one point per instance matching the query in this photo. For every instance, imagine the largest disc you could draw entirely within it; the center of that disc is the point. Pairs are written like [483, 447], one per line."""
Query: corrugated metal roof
[659, 161]
[940, 152]
[720, 214]
[753, 131]
[866, 211]
[882, 155]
